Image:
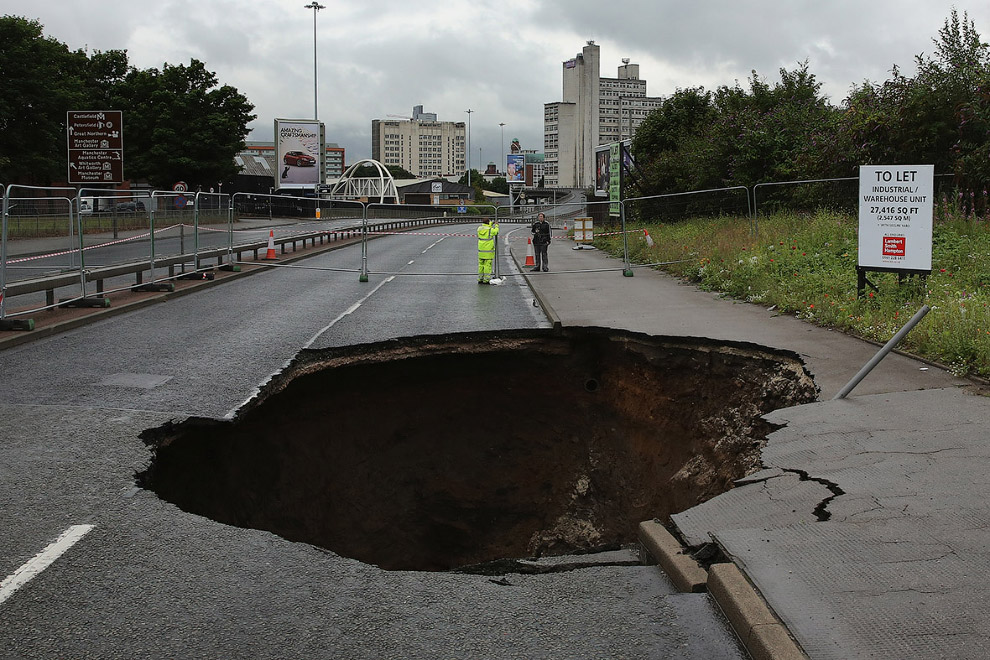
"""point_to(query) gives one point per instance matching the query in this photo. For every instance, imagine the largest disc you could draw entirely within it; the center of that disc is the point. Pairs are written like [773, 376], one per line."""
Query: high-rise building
[593, 111]
[424, 146]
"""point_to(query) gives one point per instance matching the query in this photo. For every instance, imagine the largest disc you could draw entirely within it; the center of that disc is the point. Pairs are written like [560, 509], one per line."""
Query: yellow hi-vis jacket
[486, 241]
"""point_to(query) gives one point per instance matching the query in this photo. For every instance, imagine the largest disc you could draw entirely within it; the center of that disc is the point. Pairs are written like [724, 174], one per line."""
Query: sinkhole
[440, 452]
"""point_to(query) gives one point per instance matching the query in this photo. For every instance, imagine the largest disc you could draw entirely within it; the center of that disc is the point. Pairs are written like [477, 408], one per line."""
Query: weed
[805, 264]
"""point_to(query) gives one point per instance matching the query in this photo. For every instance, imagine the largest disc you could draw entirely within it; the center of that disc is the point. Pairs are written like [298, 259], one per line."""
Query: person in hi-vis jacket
[487, 231]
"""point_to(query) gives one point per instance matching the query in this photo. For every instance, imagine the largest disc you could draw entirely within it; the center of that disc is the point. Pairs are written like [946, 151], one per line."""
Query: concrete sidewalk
[867, 532]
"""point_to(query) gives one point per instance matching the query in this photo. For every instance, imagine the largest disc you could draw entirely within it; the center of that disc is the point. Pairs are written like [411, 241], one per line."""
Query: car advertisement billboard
[895, 217]
[299, 147]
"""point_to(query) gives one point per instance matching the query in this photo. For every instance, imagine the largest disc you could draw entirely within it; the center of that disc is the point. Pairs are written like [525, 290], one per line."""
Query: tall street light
[501, 126]
[315, 6]
[468, 152]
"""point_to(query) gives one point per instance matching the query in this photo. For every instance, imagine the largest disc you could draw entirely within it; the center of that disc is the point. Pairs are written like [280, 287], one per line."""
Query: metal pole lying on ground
[882, 353]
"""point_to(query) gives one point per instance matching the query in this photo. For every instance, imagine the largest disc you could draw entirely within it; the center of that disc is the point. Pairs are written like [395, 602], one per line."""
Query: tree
[499, 185]
[180, 125]
[42, 80]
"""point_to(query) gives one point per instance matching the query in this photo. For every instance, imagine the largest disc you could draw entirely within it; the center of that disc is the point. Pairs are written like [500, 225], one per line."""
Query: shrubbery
[699, 140]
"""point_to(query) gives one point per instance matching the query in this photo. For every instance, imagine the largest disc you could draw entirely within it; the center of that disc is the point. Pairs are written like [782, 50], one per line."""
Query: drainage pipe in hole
[882, 353]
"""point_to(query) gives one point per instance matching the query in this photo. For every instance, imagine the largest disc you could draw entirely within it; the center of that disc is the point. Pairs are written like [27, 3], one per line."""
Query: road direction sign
[96, 146]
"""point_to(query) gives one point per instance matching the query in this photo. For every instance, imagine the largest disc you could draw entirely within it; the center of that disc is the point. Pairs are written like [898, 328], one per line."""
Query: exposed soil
[432, 453]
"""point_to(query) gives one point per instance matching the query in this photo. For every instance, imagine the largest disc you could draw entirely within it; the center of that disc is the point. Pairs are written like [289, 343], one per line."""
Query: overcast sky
[500, 59]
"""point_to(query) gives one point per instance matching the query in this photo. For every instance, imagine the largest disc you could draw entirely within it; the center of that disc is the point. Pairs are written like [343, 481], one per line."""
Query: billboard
[515, 168]
[299, 149]
[895, 217]
[602, 171]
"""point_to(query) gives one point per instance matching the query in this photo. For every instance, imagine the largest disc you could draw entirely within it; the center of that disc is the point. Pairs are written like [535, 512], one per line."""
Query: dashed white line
[42, 560]
[435, 243]
[350, 310]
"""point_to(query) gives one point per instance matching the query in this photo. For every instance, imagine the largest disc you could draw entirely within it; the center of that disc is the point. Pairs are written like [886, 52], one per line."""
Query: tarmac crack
[821, 511]
[502, 567]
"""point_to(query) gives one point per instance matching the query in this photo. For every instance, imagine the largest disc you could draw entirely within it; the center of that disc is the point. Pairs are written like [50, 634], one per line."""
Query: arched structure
[350, 187]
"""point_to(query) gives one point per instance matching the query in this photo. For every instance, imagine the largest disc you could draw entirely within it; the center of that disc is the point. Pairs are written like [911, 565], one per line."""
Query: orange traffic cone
[530, 255]
[649, 239]
[271, 245]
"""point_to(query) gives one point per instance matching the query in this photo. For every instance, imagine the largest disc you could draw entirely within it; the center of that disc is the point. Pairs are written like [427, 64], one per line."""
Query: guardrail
[226, 257]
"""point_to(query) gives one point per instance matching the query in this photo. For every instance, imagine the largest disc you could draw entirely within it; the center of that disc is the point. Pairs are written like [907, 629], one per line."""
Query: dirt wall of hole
[439, 452]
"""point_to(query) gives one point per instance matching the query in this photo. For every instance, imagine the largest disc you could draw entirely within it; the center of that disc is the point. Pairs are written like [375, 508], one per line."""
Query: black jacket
[541, 232]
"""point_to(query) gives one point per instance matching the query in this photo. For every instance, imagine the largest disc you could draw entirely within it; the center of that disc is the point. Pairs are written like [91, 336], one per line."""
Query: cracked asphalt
[867, 531]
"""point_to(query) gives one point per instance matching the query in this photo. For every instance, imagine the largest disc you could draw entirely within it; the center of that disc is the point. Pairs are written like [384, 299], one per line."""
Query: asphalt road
[150, 581]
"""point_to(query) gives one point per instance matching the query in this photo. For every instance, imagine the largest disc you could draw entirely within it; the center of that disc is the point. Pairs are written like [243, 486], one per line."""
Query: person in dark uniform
[541, 240]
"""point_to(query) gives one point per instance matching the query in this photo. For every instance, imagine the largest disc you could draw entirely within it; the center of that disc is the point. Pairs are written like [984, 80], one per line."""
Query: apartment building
[593, 111]
[420, 144]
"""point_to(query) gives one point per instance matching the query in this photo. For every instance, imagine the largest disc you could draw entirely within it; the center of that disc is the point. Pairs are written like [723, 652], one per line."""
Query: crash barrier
[99, 235]
[168, 235]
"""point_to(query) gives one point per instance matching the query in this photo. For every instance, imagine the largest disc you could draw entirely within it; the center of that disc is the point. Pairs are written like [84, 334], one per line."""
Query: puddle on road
[433, 453]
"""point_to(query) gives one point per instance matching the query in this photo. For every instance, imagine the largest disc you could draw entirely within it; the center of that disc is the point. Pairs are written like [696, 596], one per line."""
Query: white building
[422, 145]
[593, 111]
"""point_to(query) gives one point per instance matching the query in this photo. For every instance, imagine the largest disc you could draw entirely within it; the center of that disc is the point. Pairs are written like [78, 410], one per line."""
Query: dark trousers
[541, 254]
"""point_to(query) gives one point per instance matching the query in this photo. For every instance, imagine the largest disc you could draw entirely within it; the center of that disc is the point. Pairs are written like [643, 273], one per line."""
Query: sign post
[95, 145]
[896, 208]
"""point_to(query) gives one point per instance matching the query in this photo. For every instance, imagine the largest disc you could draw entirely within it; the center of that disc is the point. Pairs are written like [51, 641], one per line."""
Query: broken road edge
[760, 631]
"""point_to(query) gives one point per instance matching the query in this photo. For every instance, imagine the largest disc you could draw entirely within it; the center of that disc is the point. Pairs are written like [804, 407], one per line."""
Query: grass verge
[805, 264]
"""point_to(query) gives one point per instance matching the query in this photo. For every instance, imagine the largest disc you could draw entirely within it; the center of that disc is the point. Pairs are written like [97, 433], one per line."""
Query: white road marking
[350, 310]
[433, 245]
[42, 560]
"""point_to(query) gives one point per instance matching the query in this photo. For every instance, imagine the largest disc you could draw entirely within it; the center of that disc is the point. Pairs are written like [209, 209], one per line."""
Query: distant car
[125, 207]
[298, 158]
[85, 208]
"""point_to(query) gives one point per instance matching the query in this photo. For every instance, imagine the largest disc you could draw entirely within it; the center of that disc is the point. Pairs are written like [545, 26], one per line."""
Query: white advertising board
[896, 204]
[299, 148]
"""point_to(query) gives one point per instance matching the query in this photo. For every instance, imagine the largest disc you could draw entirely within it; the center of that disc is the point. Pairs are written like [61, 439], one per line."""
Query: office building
[420, 144]
[593, 111]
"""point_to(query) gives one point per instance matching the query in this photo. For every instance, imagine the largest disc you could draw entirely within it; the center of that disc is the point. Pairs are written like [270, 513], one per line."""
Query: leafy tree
[498, 184]
[477, 182]
[105, 73]
[181, 125]
[702, 140]
[787, 131]
[42, 80]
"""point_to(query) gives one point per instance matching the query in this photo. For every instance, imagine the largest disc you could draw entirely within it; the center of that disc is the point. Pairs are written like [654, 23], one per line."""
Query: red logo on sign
[894, 246]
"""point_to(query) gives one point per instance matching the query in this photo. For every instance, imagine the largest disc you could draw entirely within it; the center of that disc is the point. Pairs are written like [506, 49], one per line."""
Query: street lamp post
[501, 126]
[315, 6]
[468, 150]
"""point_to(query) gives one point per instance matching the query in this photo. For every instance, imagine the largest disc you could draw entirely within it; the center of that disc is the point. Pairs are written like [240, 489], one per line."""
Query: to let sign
[96, 146]
[896, 204]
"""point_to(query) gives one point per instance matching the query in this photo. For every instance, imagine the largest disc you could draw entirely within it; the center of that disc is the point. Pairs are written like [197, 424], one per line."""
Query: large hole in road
[433, 453]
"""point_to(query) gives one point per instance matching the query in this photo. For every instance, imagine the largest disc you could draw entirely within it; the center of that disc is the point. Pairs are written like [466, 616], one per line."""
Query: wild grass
[805, 265]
